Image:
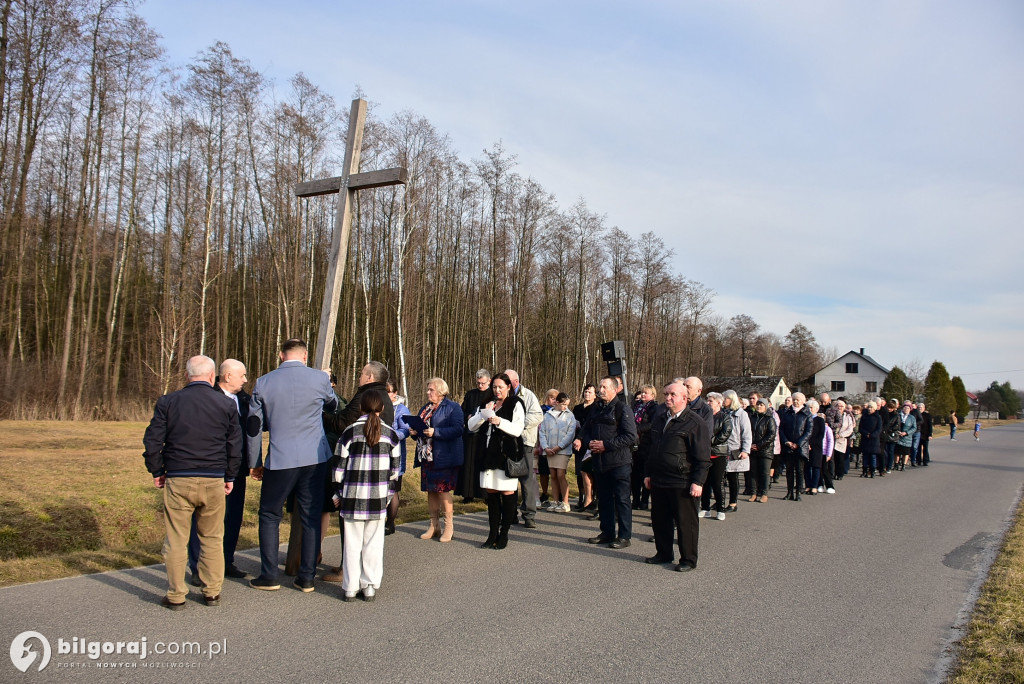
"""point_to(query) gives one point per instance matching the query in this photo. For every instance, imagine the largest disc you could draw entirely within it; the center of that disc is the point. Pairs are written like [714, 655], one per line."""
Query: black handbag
[516, 469]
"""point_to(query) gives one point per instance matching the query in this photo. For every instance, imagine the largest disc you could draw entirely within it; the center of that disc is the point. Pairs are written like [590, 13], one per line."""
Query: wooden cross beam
[346, 184]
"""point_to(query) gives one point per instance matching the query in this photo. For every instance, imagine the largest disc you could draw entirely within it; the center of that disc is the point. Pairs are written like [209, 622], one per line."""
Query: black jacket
[870, 433]
[195, 432]
[762, 435]
[474, 399]
[925, 425]
[721, 435]
[613, 424]
[795, 426]
[491, 453]
[643, 427]
[679, 450]
[703, 409]
[338, 421]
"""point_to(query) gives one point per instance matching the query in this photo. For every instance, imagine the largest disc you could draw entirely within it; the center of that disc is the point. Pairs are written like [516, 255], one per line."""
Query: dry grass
[75, 498]
[993, 650]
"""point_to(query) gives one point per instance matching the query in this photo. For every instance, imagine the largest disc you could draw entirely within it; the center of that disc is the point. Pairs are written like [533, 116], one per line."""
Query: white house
[771, 387]
[853, 373]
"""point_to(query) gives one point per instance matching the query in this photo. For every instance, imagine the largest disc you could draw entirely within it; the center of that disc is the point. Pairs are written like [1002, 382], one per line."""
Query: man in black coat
[194, 451]
[694, 386]
[230, 381]
[677, 465]
[469, 480]
[610, 434]
[795, 436]
[926, 435]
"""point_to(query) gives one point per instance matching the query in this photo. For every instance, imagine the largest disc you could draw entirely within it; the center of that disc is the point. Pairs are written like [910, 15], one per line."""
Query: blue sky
[854, 166]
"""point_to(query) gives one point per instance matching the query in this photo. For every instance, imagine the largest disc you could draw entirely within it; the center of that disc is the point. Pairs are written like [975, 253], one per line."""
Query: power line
[1015, 370]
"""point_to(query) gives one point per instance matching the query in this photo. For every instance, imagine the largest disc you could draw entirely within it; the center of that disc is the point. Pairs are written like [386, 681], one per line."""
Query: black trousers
[674, 509]
[922, 456]
[759, 469]
[713, 485]
[640, 493]
[794, 473]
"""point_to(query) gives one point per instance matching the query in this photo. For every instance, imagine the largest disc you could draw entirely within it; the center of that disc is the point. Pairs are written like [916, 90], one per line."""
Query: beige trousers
[205, 497]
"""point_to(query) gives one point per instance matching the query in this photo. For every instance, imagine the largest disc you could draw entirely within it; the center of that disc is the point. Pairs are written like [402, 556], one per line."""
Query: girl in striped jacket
[369, 461]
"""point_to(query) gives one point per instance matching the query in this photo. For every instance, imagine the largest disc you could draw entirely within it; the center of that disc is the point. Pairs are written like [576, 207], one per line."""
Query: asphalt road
[867, 585]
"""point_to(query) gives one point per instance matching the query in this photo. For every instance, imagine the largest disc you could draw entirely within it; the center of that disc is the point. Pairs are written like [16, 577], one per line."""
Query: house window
[852, 367]
[838, 386]
[870, 386]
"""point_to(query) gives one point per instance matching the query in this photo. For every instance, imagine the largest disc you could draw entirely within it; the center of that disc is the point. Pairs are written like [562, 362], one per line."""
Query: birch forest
[147, 213]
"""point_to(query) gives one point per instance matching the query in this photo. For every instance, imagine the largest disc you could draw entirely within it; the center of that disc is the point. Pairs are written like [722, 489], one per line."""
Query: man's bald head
[514, 377]
[232, 375]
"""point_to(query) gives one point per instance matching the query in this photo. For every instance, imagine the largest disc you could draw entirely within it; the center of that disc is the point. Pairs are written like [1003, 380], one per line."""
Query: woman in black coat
[762, 449]
[719, 459]
[870, 441]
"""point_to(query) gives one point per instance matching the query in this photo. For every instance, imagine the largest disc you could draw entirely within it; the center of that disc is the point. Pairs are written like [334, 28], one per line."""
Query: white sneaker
[821, 489]
[830, 490]
[720, 516]
[702, 514]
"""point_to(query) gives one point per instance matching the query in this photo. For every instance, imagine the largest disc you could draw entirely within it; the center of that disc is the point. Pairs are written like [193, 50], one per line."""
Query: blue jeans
[890, 456]
[613, 502]
[308, 484]
[914, 448]
[813, 477]
[952, 431]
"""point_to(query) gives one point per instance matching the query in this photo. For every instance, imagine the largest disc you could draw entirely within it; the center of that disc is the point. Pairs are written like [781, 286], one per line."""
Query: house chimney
[862, 351]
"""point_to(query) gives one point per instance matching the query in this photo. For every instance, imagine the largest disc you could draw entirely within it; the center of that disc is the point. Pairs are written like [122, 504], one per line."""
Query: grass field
[75, 498]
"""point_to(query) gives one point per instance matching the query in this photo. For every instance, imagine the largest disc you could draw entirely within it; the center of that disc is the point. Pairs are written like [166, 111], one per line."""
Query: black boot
[493, 519]
[508, 518]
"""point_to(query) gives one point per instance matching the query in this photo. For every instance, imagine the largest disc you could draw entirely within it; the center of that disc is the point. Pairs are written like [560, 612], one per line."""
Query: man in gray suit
[288, 403]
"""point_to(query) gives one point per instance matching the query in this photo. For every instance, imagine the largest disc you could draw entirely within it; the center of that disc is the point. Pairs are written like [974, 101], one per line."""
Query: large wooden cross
[347, 184]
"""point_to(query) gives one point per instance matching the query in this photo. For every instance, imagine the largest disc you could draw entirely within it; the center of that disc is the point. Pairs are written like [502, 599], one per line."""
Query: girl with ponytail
[368, 465]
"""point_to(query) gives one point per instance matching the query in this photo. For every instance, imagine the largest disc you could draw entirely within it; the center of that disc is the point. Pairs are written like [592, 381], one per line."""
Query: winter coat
[495, 443]
[796, 428]
[678, 455]
[871, 433]
[447, 440]
[720, 438]
[763, 435]
[558, 429]
[844, 432]
[908, 425]
[364, 473]
[613, 424]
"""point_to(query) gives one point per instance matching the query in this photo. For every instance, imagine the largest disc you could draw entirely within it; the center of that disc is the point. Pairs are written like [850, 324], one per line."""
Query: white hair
[200, 367]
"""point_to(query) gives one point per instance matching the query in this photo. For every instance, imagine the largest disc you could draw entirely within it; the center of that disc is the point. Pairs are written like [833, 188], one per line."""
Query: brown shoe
[764, 498]
[212, 600]
[168, 603]
[333, 576]
[753, 497]
[337, 570]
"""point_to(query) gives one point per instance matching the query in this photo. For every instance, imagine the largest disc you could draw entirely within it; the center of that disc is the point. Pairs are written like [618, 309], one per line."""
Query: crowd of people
[682, 458]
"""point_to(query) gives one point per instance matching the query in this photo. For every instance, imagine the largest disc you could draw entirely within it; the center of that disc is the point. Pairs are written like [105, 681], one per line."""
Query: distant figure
[402, 430]
[289, 403]
[194, 450]
[953, 422]
[368, 463]
[926, 435]
[977, 430]
[556, 435]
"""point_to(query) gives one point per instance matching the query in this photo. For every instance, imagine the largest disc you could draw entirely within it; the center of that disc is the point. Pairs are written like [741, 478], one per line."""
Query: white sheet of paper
[486, 413]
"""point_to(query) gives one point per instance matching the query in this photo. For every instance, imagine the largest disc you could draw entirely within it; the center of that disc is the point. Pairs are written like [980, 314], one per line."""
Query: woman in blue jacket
[402, 430]
[439, 456]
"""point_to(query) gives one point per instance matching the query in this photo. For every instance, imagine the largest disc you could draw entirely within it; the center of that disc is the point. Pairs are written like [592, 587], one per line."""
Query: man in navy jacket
[193, 450]
[610, 434]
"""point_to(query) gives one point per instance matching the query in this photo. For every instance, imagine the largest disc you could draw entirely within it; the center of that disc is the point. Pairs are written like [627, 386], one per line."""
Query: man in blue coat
[289, 403]
[610, 434]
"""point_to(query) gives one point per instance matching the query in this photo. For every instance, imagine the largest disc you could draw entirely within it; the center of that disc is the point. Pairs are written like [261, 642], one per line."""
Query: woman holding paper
[499, 427]
[438, 432]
